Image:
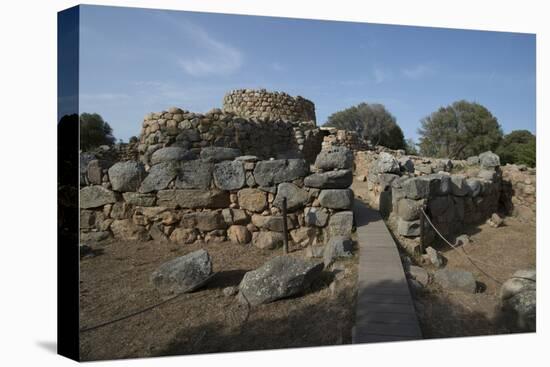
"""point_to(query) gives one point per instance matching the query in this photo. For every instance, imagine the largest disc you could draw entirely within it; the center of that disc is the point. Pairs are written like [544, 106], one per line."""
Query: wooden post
[422, 222]
[285, 228]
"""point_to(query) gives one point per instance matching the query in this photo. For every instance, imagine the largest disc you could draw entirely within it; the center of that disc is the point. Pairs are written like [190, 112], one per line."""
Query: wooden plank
[385, 309]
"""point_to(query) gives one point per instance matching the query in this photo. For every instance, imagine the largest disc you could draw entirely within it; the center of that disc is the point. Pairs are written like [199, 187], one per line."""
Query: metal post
[285, 228]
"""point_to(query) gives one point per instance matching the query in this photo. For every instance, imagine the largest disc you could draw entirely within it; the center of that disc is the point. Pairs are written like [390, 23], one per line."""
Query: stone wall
[349, 139]
[193, 131]
[454, 194]
[218, 195]
[262, 104]
[518, 196]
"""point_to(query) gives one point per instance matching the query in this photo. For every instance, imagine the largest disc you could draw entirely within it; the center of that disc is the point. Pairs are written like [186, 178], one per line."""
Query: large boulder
[269, 173]
[218, 154]
[126, 176]
[171, 154]
[267, 240]
[159, 177]
[96, 196]
[193, 199]
[315, 217]
[183, 274]
[341, 224]
[337, 157]
[456, 280]
[386, 163]
[280, 277]
[195, 174]
[339, 179]
[336, 198]
[229, 175]
[252, 199]
[295, 196]
[489, 160]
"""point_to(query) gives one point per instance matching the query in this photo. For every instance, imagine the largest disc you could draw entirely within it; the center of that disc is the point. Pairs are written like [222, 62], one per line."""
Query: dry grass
[115, 283]
[447, 314]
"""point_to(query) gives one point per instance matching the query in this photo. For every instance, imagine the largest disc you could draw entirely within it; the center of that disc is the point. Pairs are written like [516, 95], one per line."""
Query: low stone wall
[456, 195]
[518, 196]
[262, 104]
[216, 196]
[193, 131]
[349, 139]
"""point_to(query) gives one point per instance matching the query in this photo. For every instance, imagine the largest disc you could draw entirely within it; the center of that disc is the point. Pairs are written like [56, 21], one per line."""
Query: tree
[94, 131]
[458, 131]
[410, 147]
[371, 121]
[518, 147]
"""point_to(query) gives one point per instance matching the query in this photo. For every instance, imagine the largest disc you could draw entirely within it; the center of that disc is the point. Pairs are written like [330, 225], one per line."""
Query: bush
[458, 131]
[518, 147]
[94, 131]
[371, 121]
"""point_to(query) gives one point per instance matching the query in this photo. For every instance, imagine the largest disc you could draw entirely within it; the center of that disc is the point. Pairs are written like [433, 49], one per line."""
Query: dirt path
[116, 282]
[510, 247]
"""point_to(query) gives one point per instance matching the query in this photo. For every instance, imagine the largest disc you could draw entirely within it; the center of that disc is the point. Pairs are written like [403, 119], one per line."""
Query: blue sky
[135, 61]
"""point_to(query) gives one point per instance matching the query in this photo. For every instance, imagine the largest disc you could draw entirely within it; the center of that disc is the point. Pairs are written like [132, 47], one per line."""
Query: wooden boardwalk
[385, 310]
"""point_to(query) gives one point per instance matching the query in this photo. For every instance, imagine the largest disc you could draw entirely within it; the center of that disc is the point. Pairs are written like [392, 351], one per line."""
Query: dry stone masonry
[454, 194]
[219, 195]
[256, 123]
[268, 105]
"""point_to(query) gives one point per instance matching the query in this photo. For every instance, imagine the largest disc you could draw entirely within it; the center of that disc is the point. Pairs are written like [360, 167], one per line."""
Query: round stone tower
[260, 103]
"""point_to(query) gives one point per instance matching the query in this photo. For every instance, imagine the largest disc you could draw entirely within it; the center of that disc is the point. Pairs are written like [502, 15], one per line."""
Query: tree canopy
[518, 147]
[458, 131]
[371, 121]
[94, 131]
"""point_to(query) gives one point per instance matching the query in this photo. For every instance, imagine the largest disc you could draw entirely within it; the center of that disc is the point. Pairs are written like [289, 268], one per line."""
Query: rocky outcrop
[183, 274]
[280, 277]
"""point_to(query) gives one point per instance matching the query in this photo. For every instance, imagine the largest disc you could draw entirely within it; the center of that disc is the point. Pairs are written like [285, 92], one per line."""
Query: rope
[471, 259]
[143, 310]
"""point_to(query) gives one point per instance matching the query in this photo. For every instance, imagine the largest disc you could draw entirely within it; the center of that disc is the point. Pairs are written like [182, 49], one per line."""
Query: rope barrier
[471, 259]
[143, 310]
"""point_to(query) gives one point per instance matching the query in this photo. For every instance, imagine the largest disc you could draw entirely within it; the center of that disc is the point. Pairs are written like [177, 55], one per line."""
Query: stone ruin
[255, 122]
[222, 175]
[453, 193]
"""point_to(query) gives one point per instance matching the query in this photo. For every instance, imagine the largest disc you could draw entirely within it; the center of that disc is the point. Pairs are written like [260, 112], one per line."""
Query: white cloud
[209, 56]
[418, 71]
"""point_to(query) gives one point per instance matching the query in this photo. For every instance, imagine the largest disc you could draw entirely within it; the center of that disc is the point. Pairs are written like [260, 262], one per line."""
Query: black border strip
[68, 24]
